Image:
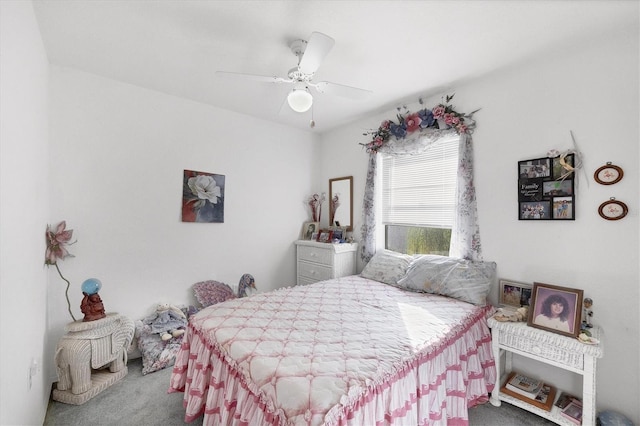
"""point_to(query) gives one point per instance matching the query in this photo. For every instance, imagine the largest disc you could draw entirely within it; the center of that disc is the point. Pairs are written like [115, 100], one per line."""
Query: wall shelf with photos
[546, 188]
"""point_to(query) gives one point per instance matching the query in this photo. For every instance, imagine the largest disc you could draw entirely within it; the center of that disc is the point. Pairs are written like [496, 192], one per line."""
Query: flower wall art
[202, 197]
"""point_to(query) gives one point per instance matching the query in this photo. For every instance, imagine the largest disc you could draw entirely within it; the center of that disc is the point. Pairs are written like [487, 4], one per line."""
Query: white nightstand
[323, 261]
[551, 348]
[84, 351]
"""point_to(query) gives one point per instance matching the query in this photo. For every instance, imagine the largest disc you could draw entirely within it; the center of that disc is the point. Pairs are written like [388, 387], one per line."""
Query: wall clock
[613, 209]
[608, 174]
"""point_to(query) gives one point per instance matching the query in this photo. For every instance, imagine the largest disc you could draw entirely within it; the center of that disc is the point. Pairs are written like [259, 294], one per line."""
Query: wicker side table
[510, 338]
[91, 357]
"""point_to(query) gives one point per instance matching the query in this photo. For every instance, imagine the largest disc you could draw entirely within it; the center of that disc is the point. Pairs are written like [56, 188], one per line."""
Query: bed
[347, 351]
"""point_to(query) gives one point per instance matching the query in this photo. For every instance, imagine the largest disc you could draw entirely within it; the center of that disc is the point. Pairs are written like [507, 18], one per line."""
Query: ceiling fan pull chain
[312, 123]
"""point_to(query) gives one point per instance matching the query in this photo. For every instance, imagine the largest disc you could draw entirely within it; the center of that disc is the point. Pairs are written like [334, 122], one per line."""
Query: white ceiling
[400, 50]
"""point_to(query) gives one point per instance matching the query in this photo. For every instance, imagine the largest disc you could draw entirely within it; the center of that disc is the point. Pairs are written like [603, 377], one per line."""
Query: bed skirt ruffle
[433, 388]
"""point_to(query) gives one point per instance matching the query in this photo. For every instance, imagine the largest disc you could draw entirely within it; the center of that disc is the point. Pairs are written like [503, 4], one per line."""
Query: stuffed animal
[168, 321]
[519, 314]
[246, 286]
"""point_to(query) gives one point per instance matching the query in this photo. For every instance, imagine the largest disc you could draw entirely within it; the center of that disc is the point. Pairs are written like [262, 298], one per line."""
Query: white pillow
[458, 278]
[387, 267]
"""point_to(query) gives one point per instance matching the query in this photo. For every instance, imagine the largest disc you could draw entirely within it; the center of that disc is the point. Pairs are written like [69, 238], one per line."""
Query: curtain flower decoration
[57, 242]
[443, 116]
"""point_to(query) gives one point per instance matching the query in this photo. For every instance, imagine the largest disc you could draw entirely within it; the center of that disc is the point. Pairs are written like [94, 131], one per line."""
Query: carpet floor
[143, 401]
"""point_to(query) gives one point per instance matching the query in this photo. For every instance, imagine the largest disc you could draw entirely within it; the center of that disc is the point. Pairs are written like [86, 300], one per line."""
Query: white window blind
[419, 190]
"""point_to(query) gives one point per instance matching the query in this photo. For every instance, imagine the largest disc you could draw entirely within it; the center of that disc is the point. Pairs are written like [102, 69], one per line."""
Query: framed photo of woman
[556, 309]
[309, 229]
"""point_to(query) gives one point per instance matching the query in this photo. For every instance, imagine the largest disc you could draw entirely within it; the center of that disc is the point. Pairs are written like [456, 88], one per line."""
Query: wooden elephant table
[91, 357]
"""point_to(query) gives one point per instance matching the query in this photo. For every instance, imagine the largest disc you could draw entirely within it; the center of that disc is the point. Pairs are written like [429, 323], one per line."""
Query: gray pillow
[458, 278]
[387, 267]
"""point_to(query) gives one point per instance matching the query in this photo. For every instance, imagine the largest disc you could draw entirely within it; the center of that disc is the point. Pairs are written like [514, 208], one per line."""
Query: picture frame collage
[546, 189]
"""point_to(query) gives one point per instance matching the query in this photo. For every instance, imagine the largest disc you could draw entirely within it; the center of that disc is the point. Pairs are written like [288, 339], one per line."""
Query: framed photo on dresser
[556, 309]
[324, 236]
[339, 232]
[515, 294]
[309, 229]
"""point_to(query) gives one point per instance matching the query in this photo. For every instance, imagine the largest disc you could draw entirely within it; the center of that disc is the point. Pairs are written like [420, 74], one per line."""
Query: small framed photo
[556, 309]
[515, 294]
[557, 188]
[536, 168]
[535, 210]
[339, 233]
[563, 167]
[563, 208]
[324, 236]
[309, 229]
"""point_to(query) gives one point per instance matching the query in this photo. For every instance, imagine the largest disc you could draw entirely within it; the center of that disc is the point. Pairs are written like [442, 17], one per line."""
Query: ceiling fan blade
[253, 77]
[317, 48]
[342, 90]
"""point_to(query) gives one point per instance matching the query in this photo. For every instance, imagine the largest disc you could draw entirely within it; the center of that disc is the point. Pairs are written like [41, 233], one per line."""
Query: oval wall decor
[608, 174]
[613, 209]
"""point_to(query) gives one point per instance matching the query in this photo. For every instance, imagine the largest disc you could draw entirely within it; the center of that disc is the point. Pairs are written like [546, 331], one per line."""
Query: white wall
[119, 152]
[24, 207]
[526, 111]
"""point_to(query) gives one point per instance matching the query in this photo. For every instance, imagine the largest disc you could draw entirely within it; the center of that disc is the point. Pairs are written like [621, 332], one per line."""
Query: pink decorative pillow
[211, 292]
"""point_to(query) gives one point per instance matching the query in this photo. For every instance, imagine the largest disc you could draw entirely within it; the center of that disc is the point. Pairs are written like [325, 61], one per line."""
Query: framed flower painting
[202, 197]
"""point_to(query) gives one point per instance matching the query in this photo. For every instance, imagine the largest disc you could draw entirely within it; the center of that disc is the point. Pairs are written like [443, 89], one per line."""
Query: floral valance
[441, 117]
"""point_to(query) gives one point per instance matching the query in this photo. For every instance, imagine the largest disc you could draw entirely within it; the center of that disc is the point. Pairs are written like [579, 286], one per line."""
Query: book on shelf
[573, 412]
[543, 399]
[565, 399]
[523, 385]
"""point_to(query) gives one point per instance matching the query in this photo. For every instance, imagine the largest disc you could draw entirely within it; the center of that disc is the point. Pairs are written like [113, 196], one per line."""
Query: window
[418, 198]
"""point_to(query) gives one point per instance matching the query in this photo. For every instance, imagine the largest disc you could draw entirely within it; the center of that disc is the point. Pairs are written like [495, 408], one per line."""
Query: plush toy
[168, 321]
[519, 314]
[246, 286]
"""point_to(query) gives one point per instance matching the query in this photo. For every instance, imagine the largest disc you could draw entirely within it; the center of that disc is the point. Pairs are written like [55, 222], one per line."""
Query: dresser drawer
[314, 271]
[305, 280]
[546, 349]
[315, 254]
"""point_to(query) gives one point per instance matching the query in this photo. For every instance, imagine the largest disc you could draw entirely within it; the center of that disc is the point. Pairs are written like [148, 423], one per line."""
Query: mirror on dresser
[341, 202]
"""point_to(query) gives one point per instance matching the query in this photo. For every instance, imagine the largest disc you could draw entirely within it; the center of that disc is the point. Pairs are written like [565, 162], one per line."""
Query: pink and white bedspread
[348, 351]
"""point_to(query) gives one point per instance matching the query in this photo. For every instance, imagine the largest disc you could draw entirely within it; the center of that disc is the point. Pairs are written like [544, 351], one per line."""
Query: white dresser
[323, 261]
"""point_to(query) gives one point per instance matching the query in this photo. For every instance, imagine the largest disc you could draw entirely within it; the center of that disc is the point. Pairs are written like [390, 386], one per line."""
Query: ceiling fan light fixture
[300, 100]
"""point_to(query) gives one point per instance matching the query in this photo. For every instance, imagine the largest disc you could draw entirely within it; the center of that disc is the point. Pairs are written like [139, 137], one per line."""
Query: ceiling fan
[310, 55]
